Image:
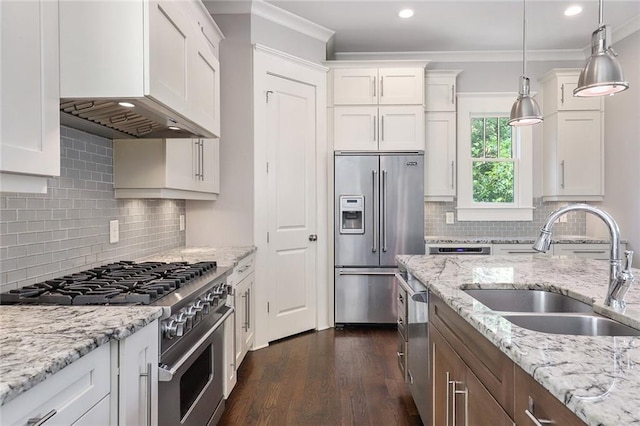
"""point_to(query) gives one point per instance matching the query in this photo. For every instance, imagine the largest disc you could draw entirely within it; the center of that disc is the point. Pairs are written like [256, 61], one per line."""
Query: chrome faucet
[620, 280]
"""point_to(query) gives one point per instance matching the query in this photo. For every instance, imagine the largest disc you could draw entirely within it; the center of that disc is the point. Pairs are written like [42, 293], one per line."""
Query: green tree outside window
[493, 163]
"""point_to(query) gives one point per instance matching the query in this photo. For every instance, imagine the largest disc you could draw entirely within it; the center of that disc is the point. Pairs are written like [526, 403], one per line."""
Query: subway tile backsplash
[66, 230]
[435, 224]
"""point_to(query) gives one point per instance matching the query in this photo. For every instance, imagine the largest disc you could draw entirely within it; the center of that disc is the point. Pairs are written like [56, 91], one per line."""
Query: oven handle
[165, 375]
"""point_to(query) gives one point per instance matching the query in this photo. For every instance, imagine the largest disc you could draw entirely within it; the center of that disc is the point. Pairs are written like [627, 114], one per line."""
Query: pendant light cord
[600, 13]
[524, 37]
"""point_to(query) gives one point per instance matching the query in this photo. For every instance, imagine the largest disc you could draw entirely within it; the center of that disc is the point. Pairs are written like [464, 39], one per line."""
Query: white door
[291, 209]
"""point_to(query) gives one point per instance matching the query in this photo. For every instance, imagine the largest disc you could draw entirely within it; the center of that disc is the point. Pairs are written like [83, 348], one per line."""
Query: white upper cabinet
[161, 54]
[440, 135]
[30, 118]
[573, 141]
[440, 90]
[383, 86]
[186, 169]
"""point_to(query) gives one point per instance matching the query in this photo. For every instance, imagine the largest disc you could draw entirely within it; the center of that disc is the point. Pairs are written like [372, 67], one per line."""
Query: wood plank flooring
[330, 377]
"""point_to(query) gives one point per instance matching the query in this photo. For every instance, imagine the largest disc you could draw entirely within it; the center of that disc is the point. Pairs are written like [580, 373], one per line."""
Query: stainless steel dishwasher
[413, 355]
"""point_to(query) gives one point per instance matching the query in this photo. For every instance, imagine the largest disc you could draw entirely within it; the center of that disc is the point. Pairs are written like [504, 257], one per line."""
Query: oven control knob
[208, 297]
[202, 306]
[181, 320]
[174, 327]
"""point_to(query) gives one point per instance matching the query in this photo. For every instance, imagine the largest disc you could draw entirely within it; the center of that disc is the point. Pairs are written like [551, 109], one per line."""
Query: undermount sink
[579, 325]
[517, 300]
[548, 312]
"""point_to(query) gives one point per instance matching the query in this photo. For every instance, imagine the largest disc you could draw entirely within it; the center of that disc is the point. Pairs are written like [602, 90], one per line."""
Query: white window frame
[473, 105]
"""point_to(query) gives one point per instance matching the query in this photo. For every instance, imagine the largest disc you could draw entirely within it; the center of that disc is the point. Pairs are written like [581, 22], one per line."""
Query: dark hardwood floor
[330, 377]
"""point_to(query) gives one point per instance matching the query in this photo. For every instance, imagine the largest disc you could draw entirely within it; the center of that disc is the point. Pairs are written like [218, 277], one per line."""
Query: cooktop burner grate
[118, 283]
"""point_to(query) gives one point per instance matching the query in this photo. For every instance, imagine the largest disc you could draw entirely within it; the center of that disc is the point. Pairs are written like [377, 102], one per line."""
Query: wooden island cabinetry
[474, 383]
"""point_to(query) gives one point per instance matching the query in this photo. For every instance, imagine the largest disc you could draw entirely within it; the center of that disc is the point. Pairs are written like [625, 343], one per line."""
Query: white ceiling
[462, 25]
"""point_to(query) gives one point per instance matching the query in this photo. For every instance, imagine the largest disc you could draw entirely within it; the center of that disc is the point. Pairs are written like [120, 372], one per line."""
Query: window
[494, 160]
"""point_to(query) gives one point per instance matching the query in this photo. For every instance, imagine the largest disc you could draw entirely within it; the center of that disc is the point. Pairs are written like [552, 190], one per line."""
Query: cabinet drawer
[242, 270]
[590, 251]
[515, 249]
[70, 393]
[534, 400]
[491, 366]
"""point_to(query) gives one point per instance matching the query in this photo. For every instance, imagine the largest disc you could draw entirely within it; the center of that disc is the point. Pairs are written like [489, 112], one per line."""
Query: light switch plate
[182, 222]
[114, 231]
[449, 218]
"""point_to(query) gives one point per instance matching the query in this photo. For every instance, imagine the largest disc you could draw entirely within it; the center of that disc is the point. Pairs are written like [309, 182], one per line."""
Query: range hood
[143, 118]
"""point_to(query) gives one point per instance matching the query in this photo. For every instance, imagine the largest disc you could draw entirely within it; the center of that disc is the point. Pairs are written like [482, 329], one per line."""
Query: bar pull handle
[453, 168]
[464, 392]
[382, 130]
[374, 248]
[38, 421]
[384, 210]
[202, 160]
[536, 421]
[562, 94]
[147, 376]
[381, 87]
[374, 86]
[562, 174]
[453, 94]
[248, 309]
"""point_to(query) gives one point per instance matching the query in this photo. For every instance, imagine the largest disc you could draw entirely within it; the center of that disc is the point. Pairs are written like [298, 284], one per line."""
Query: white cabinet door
[401, 86]
[355, 86]
[573, 153]
[249, 326]
[401, 128]
[356, 128]
[138, 384]
[210, 166]
[204, 85]
[230, 375]
[97, 415]
[440, 156]
[241, 315]
[440, 92]
[170, 40]
[29, 114]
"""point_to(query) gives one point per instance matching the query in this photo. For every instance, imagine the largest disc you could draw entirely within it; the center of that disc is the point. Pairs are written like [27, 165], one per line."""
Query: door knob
[313, 237]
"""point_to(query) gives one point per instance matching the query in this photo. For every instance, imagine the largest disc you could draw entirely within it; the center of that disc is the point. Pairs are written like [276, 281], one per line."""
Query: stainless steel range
[193, 298]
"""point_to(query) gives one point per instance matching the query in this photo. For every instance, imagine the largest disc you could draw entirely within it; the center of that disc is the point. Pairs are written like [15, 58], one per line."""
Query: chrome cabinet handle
[536, 421]
[248, 311]
[38, 421]
[244, 324]
[562, 174]
[562, 94]
[374, 86]
[384, 210]
[374, 248]
[202, 160]
[452, 174]
[147, 376]
[381, 87]
[453, 91]
[382, 130]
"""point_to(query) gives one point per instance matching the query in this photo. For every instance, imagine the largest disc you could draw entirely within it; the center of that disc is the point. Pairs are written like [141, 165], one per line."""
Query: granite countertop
[38, 341]
[225, 256]
[558, 239]
[597, 378]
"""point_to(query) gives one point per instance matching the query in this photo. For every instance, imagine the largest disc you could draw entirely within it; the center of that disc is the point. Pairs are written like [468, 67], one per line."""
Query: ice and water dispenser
[352, 214]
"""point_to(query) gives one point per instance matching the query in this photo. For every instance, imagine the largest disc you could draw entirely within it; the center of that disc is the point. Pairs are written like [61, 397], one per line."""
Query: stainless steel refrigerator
[379, 213]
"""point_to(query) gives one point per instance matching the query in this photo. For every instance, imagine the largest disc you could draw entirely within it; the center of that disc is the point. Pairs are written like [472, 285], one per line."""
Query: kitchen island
[597, 378]
[224, 256]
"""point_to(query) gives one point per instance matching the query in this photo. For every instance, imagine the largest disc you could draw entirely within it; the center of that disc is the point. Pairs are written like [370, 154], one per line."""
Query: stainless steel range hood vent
[138, 121]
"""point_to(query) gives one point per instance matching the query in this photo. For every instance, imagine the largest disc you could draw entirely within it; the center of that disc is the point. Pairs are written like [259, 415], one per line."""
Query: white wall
[228, 221]
[277, 37]
[622, 150]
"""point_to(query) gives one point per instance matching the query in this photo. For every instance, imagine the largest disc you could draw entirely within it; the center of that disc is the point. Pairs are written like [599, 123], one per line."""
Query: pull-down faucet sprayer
[620, 280]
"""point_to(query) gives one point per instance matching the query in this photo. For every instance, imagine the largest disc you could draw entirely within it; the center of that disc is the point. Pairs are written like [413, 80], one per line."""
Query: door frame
[267, 61]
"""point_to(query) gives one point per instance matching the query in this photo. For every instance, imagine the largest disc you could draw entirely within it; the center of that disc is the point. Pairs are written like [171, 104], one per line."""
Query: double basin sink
[548, 312]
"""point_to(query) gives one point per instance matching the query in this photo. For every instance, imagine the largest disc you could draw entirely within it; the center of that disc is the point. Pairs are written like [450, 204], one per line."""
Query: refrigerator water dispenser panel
[352, 214]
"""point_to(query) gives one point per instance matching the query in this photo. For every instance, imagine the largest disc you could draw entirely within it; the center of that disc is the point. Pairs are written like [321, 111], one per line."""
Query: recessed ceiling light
[126, 104]
[573, 10]
[405, 13]
[174, 128]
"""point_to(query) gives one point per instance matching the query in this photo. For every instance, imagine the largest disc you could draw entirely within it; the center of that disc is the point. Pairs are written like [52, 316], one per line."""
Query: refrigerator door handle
[374, 178]
[384, 210]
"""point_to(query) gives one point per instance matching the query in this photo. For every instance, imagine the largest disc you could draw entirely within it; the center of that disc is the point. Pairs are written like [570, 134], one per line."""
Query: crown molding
[271, 13]
[294, 59]
[468, 56]
[377, 63]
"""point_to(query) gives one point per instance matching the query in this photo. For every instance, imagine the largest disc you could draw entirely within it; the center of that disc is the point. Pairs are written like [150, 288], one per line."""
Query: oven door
[190, 392]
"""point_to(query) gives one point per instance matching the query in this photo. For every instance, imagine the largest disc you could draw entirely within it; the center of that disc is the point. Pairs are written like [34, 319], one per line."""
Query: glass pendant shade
[525, 110]
[602, 74]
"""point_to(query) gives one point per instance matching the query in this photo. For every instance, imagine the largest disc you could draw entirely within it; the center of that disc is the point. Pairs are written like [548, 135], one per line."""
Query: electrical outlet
[114, 231]
[449, 218]
[182, 222]
[563, 218]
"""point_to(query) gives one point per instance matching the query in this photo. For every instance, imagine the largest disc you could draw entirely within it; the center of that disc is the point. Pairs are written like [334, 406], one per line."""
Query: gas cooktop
[119, 283]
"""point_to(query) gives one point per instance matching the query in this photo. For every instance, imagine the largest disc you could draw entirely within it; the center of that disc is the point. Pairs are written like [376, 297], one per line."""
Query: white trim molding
[290, 58]
[466, 56]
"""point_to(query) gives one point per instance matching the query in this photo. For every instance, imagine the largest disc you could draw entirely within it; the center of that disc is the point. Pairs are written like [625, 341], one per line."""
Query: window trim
[493, 104]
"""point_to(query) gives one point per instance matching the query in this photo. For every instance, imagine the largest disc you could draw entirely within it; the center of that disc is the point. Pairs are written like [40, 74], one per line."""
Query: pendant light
[602, 74]
[525, 110]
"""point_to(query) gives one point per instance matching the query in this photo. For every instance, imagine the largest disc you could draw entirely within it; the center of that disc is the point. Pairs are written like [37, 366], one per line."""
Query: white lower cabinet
[590, 251]
[137, 386]
[67, 396]
[509, 249]
[115, 384]
[167, 168]
[600, 251]
[240, 327]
